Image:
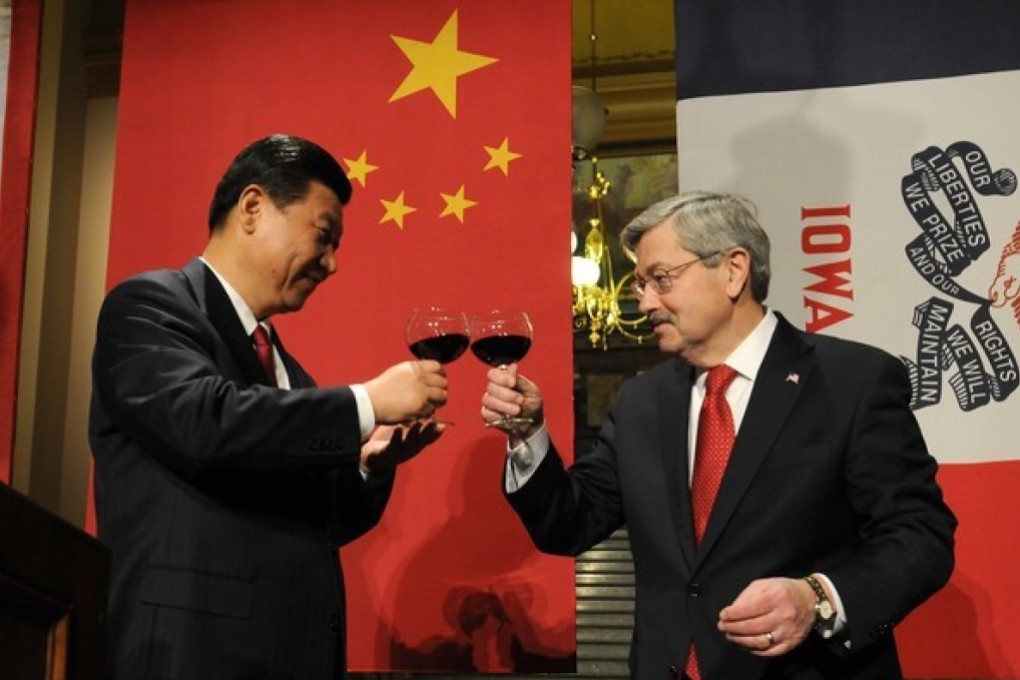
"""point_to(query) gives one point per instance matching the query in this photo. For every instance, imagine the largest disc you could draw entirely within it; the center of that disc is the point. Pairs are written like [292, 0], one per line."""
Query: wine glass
[438, 334]
[500, 338]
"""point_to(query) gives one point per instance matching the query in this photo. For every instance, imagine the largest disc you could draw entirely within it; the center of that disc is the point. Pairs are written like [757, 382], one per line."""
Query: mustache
[660, 316]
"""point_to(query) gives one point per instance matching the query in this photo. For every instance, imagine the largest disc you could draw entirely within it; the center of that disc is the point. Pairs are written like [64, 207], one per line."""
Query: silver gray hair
[707, 223]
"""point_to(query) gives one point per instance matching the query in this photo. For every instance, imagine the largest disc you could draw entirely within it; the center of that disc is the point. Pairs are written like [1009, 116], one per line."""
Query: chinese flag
[452, 119]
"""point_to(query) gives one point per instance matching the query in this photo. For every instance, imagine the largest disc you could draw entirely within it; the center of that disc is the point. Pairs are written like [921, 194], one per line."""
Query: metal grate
[604, 578]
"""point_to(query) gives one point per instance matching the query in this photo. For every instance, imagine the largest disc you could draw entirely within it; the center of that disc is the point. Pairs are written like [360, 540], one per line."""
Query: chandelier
[600, 298]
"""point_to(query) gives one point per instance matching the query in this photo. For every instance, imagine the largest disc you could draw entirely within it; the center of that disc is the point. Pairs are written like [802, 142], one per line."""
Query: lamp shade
[588, 116]
[583, 271]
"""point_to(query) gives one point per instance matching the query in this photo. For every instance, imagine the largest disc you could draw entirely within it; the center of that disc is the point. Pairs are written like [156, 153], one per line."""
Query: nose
[329, 260]
[649, 301]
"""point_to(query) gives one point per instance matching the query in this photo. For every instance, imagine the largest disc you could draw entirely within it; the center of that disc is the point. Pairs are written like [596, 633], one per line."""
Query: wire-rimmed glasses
[662, 281]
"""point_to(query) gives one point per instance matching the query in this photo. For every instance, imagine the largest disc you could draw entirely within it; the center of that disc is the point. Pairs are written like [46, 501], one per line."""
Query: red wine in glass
[500, 338]
[441, 348]
[437, 334]
[501, 350]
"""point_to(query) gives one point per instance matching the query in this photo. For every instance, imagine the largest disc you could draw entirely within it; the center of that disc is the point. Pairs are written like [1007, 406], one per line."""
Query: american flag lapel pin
[793, 378]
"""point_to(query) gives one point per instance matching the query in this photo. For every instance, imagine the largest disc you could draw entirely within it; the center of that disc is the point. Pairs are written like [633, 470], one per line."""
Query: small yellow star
[500, 157]
[437, 65]
[395, 210]
[359, 168]
[456, 204]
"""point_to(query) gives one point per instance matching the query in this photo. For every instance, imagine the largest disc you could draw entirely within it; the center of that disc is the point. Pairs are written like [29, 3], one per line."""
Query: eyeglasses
[662, 281]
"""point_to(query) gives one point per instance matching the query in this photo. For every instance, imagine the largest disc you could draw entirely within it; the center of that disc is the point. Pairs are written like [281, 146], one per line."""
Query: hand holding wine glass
[501, 338]
[437, 334]
[407, 392]
[510, 397]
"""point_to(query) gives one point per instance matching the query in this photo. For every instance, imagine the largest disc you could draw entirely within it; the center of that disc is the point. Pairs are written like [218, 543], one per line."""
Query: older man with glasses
[781, 502]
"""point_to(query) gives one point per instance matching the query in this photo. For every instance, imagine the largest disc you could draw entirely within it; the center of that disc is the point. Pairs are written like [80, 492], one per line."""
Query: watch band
[817, 587]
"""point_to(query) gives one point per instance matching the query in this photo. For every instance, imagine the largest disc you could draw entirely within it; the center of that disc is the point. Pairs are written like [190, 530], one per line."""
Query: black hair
[283, 165]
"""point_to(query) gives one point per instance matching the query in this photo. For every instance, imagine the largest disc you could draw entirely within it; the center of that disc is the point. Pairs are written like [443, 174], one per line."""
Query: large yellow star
[456, 204]
[437, 65]
[359, 168]
[500, 157]
[395, 210]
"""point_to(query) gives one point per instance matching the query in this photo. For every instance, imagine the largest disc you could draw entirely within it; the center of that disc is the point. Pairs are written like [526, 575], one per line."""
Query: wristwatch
[825, 613]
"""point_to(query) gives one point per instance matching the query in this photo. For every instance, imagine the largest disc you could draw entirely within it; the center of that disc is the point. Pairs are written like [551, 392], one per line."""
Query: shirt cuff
[366, 412]
[841, 621]
[523, 459]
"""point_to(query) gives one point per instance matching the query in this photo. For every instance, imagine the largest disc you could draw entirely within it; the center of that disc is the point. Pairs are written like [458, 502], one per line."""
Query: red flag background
[22, 63]
[453, 119]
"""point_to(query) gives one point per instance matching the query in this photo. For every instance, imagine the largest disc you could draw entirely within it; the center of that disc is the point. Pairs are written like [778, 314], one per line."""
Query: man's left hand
[770, 617]
[391, 445]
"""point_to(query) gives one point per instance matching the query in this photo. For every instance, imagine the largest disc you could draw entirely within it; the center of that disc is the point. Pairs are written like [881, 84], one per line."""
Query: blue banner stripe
[739, 46]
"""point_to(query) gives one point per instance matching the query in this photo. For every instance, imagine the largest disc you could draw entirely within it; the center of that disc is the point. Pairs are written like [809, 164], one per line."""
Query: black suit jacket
[223, 500]
[829, 473]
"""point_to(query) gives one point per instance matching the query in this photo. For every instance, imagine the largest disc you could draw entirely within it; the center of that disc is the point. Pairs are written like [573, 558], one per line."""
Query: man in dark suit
[827, 525]
[225, 479]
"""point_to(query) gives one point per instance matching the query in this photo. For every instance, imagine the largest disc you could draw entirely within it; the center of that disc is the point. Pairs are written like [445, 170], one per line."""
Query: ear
[251, 205]
[737, 265]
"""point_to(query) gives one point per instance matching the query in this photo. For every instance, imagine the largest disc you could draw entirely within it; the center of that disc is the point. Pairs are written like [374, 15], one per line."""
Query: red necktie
[264, 349]
[715, 441]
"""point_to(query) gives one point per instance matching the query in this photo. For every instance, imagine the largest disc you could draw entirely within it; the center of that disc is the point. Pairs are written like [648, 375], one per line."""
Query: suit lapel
[674, 401]
[785, 370]
[296, 374]
[222, 315]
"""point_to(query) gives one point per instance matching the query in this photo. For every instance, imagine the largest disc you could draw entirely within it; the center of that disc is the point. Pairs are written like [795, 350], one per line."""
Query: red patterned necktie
[715, 441]
[264, 349]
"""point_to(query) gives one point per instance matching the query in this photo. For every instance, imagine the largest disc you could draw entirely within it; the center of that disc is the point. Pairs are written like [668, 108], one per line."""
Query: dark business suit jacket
[829, 473]
[223, 500]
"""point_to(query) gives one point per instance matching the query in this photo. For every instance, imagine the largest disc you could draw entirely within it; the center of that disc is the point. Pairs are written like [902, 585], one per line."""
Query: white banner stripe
[892, 209]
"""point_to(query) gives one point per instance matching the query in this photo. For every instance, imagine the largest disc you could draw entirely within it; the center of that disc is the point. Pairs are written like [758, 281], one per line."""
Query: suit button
[881, 630]
[694, 589]
[674, 672]
[334, 623]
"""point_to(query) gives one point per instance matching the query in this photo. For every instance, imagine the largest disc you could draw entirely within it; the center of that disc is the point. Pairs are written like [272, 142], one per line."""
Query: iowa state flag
[453, 121]
[879, 140]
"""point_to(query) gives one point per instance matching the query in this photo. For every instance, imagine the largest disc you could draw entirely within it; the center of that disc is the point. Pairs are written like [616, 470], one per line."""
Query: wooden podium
[53, 586]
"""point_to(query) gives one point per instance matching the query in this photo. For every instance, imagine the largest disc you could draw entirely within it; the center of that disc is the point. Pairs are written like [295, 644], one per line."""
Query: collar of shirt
[244, 312]
[248, 321]
[747, 357]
